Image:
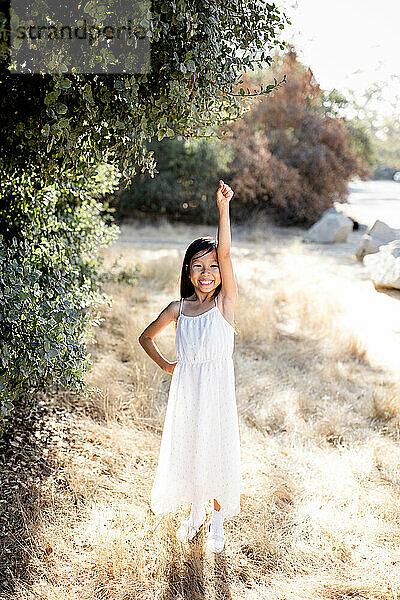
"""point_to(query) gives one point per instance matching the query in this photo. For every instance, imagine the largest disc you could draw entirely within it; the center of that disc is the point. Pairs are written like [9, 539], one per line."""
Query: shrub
[184, 187]
[49, 283]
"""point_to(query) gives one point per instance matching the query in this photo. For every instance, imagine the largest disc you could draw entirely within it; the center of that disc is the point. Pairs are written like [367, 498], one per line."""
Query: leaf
[46, 130]
[51, 97]
[61, 108]
[65, 84]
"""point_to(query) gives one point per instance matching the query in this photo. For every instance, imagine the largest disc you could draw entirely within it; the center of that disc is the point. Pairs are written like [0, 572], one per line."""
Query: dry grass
[319, 428]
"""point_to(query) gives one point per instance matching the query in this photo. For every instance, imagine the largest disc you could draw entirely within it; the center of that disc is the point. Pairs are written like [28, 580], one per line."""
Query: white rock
[382, 232]
[332, 227]
[367, 246]
[330, 211]
[384, 265]
[377, 234]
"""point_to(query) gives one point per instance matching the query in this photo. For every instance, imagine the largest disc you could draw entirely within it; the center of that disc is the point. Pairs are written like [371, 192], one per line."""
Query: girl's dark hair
[208, 244]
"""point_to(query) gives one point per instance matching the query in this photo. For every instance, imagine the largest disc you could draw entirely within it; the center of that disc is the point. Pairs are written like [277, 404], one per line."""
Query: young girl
[199, 455]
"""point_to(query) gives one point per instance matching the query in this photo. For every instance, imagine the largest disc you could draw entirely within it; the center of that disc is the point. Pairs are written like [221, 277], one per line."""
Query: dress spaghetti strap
[180, 306]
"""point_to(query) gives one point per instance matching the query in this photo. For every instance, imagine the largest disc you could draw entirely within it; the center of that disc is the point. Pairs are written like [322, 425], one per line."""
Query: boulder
[335, 211]
[332, 227]
[330, 211]
[384, 265]
[367, 246]
[377, 234]
[380, 231]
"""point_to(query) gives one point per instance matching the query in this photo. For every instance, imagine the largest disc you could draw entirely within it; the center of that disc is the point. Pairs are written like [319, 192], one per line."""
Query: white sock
[197, 514]
[217, 521]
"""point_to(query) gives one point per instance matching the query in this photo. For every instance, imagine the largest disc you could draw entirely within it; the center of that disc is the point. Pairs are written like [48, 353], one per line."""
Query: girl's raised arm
[228, 288]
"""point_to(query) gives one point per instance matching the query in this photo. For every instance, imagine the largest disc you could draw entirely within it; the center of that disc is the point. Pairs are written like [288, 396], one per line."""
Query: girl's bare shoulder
[171, 311]
[173, 308]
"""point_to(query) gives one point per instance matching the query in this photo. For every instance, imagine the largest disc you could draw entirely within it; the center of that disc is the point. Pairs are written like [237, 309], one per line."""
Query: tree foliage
[184, 187]
[387, 144]
[333, 103]
[68, 137]
[198, 53]
[49, 284]
[373, 125]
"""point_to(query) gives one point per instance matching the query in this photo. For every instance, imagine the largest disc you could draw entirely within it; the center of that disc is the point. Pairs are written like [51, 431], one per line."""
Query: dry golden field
[318, 398]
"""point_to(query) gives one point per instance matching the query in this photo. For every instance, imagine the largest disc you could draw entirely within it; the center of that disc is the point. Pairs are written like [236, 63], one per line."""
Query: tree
[184, 187]
[373, 134]
[65, 121]
[69, 137]
[333, 103]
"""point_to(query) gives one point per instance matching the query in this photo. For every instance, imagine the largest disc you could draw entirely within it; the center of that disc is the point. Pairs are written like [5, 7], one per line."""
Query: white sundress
[200, 445]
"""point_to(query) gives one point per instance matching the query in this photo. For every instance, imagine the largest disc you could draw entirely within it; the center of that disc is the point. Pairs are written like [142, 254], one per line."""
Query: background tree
[384, 129]
[333, 103]
[184, 187]
[373, 135]
[387, 144]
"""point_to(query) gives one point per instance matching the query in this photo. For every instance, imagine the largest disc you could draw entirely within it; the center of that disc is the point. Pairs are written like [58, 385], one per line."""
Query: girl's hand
[170, 368]
[224, 193]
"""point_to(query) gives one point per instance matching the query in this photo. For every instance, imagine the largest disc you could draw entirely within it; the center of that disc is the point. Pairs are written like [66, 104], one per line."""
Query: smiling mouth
[205, 282]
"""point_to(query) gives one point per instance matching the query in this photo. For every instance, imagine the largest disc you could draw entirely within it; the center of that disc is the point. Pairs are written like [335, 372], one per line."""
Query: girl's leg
[215, 534]
[217, 518]
[189, 526]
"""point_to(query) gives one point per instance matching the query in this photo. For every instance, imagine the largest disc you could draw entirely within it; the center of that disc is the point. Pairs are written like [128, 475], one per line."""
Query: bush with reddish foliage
[291, 161]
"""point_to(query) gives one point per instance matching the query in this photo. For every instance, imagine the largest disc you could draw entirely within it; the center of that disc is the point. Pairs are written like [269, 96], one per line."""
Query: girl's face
[204, 271]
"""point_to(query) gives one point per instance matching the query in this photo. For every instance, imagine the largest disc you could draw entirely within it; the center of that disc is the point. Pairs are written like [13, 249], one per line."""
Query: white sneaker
[214, 541]
[187, 531]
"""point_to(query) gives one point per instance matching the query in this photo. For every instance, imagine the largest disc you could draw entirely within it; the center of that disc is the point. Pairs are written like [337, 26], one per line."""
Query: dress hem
[231, 511]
